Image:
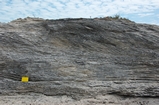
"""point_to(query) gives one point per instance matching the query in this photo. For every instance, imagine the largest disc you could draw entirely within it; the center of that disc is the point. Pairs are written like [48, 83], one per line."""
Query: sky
[140, 11]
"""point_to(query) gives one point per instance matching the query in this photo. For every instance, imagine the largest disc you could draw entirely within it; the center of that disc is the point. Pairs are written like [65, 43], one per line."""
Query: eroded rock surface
[79, 58]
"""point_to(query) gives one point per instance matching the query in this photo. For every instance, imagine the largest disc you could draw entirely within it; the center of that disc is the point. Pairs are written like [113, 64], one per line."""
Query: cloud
[145, 14]
[12, 9]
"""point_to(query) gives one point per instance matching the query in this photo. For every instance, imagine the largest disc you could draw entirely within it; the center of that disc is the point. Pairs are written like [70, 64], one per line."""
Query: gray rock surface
[79, 58]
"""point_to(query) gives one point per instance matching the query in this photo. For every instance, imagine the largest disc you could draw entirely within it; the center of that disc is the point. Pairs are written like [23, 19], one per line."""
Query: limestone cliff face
[79, 57]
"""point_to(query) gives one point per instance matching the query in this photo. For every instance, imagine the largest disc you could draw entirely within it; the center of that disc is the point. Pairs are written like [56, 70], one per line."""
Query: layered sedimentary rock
[79, 58]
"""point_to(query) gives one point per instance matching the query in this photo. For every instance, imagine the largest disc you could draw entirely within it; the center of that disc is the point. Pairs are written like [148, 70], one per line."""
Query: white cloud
[75, 8]
[145, 14]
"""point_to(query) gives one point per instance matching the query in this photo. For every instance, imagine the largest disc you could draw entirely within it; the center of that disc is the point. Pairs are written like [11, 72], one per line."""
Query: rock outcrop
[79, 58]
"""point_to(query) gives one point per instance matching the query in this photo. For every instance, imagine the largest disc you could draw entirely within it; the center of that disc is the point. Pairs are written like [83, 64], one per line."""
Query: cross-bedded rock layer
[80, 58]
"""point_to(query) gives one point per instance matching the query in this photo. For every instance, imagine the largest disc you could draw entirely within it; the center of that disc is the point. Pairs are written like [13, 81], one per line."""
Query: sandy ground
[64, 100]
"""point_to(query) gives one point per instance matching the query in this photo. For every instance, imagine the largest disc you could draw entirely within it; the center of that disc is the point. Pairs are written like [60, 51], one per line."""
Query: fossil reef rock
[79, 58]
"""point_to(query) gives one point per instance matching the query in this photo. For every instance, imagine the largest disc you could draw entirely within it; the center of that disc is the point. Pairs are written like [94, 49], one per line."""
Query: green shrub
[117, 16]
